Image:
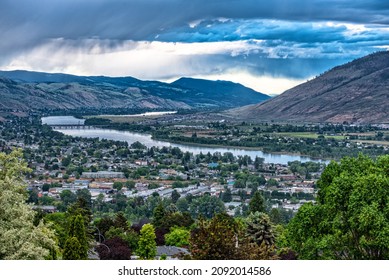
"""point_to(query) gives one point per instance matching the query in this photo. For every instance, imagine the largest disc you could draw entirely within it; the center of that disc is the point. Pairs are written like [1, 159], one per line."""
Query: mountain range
[25, 90]
[356, 92]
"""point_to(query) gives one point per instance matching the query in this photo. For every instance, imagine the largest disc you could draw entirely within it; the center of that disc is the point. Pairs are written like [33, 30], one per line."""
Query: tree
[272, 183]
[103, 225]
[81, 207]
[67, 198]
[276, 216]
[114, 249]
[206, 206]
[258, 162]
[177, 219]
[147, 247]
[73, 250]
[129, 236]
[20, 238]
[227, 195]
[215, 239]
[350, 219]
[259, 229]
[76, 233]
[121, 221]
[138, 146]
[86, 196]
[175, 196]
[118, 185]
[159, 214]
[178, 237]
[257, 203]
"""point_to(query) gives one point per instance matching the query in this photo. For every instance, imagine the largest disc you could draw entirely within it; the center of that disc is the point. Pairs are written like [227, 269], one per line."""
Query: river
[146, 140]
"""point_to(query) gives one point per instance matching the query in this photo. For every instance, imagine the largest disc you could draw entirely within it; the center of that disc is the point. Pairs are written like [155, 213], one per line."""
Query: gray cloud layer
[25, 22]
[291, 34]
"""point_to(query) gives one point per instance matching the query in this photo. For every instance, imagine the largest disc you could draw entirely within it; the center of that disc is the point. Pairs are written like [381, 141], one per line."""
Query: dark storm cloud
[25, 23]
[282, 35]
[233, 30]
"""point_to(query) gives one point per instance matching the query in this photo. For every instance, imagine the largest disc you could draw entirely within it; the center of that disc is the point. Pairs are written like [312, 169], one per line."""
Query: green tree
[350, 219]
[175, 196]
[121, 221]
[206, 206]
[215, 239]
[81, 207]
[257, 203]
[77, 232]
[272, 183]
[67, 198]
[59, 225]
[20, 238]
[73, 250]
[118, 185]
[159, 215]
[227, 195]
[147, 246]
[259, 229]
[276, 216]
[177, 237]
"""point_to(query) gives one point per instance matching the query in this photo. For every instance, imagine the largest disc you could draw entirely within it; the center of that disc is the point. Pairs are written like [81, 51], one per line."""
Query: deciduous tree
[178, 237]
[147, 247]
[351, 217]
[215, 239]
[20, 238]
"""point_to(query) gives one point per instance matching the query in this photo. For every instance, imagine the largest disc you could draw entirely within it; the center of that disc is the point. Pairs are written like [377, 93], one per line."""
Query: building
[45, 208]
[171, 252]
[103, 175]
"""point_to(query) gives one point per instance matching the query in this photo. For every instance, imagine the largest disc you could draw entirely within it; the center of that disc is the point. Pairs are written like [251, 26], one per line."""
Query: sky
[268, 45]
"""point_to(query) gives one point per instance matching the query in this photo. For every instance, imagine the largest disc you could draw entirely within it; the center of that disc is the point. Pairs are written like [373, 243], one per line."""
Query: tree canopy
[351, 217]
[20, 238]
[257, 203]
[147, 246]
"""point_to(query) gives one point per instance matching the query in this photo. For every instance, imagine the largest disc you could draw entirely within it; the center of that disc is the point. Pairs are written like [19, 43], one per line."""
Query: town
[112, 171]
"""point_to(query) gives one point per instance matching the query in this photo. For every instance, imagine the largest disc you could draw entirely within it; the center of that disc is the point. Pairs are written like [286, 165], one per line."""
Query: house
[45, 208]
[103, 174]
[171, 252]
[141, 162]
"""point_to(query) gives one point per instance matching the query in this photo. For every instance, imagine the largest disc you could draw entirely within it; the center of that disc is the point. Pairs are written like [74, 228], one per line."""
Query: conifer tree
[259, 229]
[121, 221]
[257, 203]
[159, 215]
[77, 231]
[73, 250]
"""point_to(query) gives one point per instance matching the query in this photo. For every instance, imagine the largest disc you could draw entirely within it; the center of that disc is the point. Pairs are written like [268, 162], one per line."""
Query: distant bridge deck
[71, 126]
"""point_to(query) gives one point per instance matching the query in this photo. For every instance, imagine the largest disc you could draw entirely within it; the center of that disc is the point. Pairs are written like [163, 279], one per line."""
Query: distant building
[302, 190]
[103, 175]
[101, 186]
[45, 208]
[141, 162]
[171, 252]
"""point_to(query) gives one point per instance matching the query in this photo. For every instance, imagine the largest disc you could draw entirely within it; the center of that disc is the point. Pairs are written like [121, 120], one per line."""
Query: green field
[311, 135]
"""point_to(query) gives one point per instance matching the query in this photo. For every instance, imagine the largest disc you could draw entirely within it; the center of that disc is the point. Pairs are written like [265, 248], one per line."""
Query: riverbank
[239, 147]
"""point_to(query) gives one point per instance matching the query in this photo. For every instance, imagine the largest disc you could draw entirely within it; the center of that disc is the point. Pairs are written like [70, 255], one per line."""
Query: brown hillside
[357, 92]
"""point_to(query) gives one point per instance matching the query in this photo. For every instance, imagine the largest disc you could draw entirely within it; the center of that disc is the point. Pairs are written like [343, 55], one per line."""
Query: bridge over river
[71, 126]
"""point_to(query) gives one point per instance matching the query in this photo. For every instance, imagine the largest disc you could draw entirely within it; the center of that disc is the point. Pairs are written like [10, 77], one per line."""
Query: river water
[146, 140]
